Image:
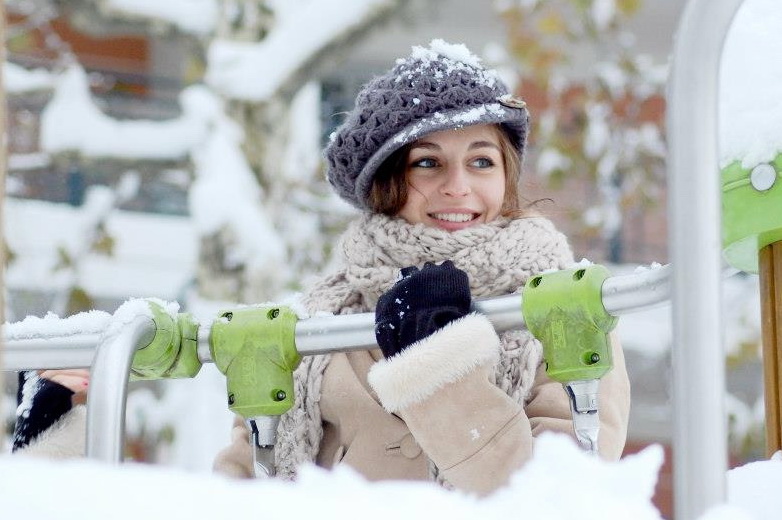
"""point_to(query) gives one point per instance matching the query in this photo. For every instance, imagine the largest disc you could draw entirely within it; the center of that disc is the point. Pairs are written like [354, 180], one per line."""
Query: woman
[431, 154]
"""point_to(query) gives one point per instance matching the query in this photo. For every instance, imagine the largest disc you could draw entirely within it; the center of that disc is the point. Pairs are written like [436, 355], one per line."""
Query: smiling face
[455, 178]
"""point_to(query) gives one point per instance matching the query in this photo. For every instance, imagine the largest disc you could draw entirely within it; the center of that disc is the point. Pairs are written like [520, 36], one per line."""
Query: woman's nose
[456, 183]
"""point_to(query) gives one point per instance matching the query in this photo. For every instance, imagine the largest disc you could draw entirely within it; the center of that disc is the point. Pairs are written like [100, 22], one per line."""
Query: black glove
[41, 403]
[419, 304]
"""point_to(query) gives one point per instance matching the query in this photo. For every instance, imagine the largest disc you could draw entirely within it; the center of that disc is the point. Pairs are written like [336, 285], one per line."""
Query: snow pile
[754, 488]
[750, 87]
[255, 71]
[560, 482]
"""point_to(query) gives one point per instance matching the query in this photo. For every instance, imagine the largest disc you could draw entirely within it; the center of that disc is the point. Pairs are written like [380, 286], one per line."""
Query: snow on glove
[420, 303]
[41, 403]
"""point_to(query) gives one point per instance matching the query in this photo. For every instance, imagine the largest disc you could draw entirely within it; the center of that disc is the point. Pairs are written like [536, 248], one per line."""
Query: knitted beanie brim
[440, 88]
[514, 117]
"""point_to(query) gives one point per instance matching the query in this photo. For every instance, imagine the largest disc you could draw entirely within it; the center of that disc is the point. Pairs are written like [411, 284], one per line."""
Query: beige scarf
[498, 257]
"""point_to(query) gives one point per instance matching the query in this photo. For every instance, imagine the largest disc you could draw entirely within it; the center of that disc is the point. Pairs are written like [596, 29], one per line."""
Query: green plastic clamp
[564, 310]
[751, 212]
[173, 353]
[255, 348]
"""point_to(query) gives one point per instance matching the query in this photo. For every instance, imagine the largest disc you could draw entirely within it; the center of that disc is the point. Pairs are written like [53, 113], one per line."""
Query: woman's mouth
[454, 221]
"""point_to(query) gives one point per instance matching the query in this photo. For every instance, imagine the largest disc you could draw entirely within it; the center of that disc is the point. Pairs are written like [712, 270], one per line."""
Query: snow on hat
[438, 88]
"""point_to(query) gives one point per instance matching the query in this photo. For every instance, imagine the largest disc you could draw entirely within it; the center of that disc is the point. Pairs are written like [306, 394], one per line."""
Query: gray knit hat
[438, 88]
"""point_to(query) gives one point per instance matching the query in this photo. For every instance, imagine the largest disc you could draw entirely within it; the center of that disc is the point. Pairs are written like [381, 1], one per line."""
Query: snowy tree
[259, 62]
[598, 105]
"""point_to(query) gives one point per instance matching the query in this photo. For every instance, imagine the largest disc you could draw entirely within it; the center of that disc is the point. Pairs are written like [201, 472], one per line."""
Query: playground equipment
[257, 348]
[751, 233]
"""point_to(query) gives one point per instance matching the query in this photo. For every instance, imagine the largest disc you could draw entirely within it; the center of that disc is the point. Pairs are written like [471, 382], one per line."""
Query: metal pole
[109, 387]
[74, 351]
[317, 335]
[620, 294]
[323, 334]
[700, 425]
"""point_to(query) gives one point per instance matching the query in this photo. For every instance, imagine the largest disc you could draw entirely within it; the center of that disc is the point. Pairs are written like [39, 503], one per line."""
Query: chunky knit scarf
[498, 257]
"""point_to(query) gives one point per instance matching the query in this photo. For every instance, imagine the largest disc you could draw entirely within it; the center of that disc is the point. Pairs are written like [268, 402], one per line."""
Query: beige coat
[437, 401]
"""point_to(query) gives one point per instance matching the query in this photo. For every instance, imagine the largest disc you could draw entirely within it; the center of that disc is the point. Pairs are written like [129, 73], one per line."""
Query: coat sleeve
[474, 432]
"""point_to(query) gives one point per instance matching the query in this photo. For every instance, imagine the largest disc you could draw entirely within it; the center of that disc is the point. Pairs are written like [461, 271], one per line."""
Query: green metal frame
[255, 348]
[173, 353]
[564, 310]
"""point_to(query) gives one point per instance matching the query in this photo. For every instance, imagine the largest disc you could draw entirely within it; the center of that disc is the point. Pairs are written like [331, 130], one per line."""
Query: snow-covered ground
[559, 483]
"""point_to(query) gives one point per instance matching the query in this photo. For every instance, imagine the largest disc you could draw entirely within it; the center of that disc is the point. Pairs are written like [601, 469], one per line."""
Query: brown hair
[389, 188]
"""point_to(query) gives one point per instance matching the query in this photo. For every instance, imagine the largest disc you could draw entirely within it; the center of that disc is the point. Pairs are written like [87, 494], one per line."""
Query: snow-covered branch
[18, 80]
[304, 33]
[73, 122]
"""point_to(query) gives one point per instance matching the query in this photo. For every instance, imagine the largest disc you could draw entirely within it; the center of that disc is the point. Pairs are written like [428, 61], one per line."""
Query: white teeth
[453, 217]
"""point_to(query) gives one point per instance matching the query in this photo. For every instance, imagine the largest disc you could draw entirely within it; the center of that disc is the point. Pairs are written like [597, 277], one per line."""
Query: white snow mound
[560, 482]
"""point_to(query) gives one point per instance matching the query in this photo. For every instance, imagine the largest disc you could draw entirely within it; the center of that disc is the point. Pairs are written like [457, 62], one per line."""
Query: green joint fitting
[751, 211]
[255, 348]
[564, 310]
[173, 353]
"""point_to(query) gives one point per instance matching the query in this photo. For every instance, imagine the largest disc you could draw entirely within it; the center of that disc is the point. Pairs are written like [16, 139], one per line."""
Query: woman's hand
[420, 303]
[77, 380]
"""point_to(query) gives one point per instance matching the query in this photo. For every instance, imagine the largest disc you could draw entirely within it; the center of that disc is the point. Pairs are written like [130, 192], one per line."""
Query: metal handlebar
[316, 335]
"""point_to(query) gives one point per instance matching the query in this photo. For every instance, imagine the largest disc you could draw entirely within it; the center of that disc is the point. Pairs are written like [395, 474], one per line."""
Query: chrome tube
[74, 351]
[636, 292]
[348, 332]
[700, 424]
[109, 387]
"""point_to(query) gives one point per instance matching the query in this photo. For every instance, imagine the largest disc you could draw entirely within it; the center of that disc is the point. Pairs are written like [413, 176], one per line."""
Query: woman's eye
[483, 162]
[426, 162]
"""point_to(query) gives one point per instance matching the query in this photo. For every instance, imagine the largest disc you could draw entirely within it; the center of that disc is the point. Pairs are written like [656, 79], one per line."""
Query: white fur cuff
[424, 367]
[64, 439]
